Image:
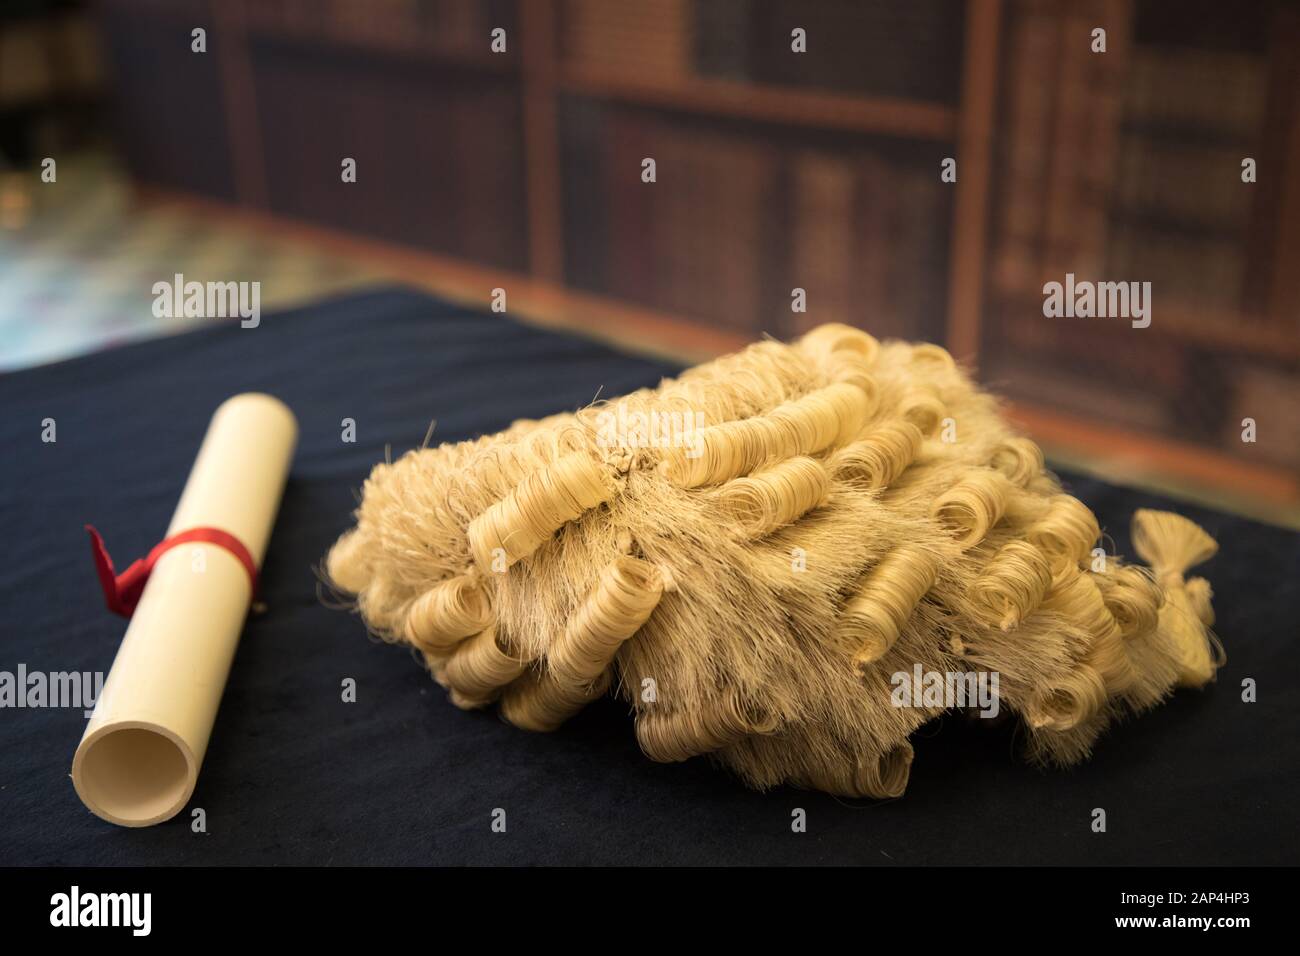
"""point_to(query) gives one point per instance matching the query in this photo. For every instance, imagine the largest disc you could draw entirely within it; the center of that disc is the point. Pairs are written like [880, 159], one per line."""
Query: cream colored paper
[139, 759]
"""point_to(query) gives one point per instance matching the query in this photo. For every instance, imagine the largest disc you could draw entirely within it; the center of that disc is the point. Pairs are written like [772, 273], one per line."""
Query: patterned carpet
[79, 258]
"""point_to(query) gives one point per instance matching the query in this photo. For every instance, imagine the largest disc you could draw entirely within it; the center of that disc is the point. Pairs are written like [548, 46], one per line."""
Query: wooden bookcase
[983, 308]
[1127, 166]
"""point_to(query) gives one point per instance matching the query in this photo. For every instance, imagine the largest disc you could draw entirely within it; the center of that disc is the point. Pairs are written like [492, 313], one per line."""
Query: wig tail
[1171, 544]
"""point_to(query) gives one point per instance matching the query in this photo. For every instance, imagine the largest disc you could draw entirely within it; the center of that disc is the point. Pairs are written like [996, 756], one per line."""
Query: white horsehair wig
[847, 512]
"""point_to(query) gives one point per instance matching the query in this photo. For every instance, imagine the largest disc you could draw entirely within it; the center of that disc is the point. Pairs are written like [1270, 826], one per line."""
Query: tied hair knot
[622, 460]
[1171, 578]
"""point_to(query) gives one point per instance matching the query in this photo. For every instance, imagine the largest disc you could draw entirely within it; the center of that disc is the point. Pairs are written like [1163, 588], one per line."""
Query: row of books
[1196, 185]
[646, 40]
[1158, 385]
[1204, 272]
[695, 241]
[1128, 162]
[439, 165]
[1059, 149]
[875, 47]
[1200, 398]
[869, 242]
[1180, 214]
[1201, 93]
[734, 222]
[1127, 166]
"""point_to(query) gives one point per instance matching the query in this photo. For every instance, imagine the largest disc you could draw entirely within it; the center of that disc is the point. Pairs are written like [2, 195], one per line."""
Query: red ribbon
[122, 591]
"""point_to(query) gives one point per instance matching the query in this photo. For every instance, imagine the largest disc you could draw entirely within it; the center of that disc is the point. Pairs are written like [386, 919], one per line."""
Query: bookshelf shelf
[1157, 221]
[823, 110]
[1184, 134]
[1229, 333]
[1124, 450]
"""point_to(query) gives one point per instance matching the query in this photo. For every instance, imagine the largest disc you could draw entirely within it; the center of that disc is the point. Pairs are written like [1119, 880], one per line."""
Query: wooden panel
[1283, 306]
[439, 162]
[974, 150]
[836, 111]
[542, 141]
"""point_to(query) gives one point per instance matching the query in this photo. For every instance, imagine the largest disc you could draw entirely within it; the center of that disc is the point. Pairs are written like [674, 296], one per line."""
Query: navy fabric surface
[295, 776]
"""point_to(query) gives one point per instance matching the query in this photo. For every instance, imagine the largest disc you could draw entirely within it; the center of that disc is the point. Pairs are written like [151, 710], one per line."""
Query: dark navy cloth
[294, 775]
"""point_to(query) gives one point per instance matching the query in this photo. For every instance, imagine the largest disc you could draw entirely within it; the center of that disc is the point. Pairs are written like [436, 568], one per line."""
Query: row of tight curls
[1013, 549]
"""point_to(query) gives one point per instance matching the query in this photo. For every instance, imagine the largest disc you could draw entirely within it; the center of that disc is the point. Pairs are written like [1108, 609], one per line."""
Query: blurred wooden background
[778, 170]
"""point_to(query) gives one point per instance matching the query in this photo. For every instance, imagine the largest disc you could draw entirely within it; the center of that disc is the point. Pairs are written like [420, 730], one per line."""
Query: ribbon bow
[122, 591]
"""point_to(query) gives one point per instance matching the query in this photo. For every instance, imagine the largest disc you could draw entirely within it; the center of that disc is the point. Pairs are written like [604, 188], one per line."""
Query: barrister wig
[755, 585]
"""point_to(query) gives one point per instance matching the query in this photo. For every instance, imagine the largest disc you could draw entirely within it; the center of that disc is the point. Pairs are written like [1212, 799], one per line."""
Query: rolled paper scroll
[140, 756]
